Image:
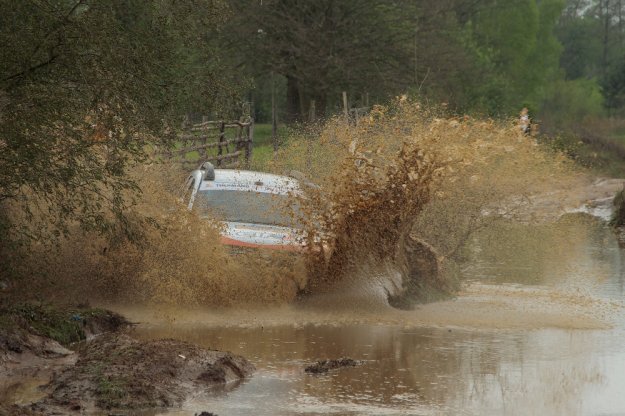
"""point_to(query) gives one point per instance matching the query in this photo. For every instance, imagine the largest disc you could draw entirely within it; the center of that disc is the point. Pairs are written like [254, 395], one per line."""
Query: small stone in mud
[323, 366]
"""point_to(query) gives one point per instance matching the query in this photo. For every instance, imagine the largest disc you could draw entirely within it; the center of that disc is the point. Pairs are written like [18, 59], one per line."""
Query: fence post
[222, 129]
[250, 142]
[203, 153]
[345, 107]
[312, 114]
[274, 117]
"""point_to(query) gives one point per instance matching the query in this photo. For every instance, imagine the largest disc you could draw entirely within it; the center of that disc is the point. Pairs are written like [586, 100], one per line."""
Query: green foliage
[614, 87]
[46, 321]
[490, 56]
[54, 324]
[516, 46]
[593, 36]
[111, 391]
[322, 47]
[62, 324]
[570, 103]
[581, 40]
[84, 87]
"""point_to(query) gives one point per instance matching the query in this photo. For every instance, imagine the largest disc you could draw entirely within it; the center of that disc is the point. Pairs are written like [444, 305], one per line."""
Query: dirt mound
[118, 372]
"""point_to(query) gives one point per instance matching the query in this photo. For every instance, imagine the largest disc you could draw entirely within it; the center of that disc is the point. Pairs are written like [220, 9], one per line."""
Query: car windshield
[248, 207]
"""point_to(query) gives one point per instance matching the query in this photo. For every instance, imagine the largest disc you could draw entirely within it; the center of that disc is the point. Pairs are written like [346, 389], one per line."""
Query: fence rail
[355, 114]
[226, 143]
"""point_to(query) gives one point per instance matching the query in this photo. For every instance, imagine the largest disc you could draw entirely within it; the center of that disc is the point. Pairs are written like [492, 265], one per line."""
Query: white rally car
[260, 210]
[257, 209]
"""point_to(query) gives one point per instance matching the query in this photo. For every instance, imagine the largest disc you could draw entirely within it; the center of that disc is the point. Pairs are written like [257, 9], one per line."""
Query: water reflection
[576, 252]
[422, 371]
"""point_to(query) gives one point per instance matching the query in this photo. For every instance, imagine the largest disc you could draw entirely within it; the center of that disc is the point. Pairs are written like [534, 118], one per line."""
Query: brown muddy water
[538, 330]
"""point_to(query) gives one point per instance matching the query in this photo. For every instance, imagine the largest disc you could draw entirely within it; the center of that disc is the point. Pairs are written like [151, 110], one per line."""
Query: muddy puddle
[537, 330]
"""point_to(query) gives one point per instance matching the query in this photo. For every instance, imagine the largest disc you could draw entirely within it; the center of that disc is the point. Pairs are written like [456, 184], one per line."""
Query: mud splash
[179, 261]
[407, 174]
[478, 306]
[404, 177]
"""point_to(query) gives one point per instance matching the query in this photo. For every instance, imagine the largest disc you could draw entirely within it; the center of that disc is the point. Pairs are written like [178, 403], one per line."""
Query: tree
[614, 87]
[581, 40]
[593, 35]
[85, 86]
[485, 55]
[322, 47]
[516, 42]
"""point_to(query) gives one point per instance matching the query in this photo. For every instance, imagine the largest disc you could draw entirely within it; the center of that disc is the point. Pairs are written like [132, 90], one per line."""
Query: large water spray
[394, 202]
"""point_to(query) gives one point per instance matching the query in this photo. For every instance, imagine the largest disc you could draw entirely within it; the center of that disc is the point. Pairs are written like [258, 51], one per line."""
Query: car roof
[246, 180]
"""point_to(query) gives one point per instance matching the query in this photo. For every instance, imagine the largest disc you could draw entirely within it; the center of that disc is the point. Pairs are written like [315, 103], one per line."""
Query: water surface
[527, 354]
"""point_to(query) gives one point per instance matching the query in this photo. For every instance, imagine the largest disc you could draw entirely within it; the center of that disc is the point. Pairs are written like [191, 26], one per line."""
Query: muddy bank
[38, 340]
[117, 372]
[585, 194]
[45, 331]
[86, 361]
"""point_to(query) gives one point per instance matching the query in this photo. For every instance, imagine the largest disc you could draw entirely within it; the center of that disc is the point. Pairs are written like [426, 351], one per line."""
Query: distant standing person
[524, 121]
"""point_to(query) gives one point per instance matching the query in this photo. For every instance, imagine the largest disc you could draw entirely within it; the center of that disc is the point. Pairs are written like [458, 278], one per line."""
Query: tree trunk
[321, 102]
[605, 8]
[293, 104]
[274, 116]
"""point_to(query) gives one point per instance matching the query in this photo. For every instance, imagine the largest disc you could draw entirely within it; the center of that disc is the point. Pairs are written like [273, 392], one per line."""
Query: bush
[571, 104]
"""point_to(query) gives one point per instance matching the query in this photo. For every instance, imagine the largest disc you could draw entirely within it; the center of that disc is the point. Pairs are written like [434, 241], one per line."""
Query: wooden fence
[227, 144]
[355, 114]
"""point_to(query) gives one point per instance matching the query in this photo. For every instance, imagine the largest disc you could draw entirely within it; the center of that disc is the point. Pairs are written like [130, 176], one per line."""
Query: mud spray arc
[396, 199]
[399, 195]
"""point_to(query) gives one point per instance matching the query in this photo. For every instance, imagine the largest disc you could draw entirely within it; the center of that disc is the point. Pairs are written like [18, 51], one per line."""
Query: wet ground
[539, 330]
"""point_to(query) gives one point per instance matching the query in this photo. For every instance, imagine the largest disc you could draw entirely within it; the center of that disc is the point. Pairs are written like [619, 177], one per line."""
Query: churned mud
[119, 372]
[58, 361]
